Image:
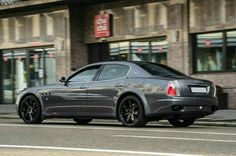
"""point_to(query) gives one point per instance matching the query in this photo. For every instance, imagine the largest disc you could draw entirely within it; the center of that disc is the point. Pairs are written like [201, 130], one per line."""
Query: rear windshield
[159, 69]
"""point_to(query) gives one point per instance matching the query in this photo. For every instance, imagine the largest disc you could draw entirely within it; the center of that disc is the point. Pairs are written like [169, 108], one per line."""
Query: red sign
[207, 43]
[102, 25]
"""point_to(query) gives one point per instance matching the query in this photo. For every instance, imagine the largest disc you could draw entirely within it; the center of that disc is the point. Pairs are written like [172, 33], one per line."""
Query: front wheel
[130, 112]
[30, 110]
[177, 122]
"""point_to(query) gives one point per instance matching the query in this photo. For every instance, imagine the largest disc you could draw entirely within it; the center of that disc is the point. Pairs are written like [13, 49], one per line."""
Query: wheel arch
[141, 97]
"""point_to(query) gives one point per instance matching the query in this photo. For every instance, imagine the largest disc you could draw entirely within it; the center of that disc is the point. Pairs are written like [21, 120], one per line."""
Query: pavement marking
[115, 129]
[175, 138]
[94, 150]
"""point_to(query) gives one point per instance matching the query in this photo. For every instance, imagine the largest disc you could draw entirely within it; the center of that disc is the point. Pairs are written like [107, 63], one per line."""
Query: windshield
[159, 69]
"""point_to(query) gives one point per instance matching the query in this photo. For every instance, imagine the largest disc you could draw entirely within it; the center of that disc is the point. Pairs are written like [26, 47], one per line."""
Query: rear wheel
[30, 110]
[130, 112]
[82, 121]
[177, 122]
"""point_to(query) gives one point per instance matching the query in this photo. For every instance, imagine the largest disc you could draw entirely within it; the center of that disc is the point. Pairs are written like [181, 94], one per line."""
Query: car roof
[114, 62]
[135, 71]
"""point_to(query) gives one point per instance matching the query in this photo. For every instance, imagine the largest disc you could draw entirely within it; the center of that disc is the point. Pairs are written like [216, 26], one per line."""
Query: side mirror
[62, 80]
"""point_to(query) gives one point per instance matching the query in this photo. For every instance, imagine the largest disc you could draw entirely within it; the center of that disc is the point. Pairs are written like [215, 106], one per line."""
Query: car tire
[130, 112]
[177, 122]
[30, 110]
[82, 121]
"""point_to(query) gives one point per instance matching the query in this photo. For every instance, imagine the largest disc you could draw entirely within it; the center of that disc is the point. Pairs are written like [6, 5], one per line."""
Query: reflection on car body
[132, 92]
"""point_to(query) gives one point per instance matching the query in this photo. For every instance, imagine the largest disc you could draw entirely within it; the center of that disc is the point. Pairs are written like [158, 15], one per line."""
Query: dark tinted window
[113, 72]
[159, 69]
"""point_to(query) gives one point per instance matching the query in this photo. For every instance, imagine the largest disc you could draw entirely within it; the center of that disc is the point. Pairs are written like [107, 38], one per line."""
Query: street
[108, 137]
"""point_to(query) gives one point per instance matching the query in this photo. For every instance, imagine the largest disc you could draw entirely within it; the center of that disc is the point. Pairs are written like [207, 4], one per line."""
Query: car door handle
[119, 85]
[82, 87]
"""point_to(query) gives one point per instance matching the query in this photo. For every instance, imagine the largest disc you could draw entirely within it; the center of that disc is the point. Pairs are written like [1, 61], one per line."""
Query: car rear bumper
[184, 107]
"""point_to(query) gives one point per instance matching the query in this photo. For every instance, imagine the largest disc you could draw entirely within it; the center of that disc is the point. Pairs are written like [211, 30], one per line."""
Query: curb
[198, 123]
[212, 123]
[208, 123]
[9, 117]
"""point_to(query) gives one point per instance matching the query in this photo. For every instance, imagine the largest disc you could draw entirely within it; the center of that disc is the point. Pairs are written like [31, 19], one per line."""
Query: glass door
[25, 68]
[36, 67]
[7, 84]
[19, 71]
[50, 66]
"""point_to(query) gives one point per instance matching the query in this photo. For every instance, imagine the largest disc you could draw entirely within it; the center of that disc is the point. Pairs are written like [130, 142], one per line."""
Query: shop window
[231, 50]
[159, 51]
[209, 54]
[22, 68]
[151, 50]
[215, 52]
[119, 51]
[139, 51]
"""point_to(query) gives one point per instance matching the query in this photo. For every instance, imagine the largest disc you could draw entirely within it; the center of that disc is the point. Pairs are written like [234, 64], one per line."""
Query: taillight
[172, 90]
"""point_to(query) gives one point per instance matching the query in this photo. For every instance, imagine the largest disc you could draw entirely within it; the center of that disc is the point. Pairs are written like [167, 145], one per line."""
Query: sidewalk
[219, 118]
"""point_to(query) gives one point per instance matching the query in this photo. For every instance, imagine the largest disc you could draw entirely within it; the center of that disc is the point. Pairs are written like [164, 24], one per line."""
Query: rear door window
[113, 72]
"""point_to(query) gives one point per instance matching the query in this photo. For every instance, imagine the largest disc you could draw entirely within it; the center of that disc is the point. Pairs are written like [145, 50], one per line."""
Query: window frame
[224, 52]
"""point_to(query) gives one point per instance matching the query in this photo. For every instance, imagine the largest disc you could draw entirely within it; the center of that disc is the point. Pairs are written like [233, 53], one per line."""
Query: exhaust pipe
[178, 108]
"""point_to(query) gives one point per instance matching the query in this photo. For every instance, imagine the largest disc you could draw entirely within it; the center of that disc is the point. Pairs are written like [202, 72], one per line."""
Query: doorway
[98, 52]
[22, 68]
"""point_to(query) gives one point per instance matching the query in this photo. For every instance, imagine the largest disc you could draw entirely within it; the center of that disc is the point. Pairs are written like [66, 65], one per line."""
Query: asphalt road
[103, 138]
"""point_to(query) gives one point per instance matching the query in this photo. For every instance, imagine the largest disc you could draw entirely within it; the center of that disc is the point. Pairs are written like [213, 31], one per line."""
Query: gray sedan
[132, 92]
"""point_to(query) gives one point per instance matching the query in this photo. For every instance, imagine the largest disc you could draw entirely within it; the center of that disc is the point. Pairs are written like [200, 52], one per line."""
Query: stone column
[178, 36]
[79, 56]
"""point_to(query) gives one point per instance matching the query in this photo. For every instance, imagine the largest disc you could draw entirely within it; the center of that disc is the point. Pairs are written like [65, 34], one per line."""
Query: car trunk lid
[196, 87]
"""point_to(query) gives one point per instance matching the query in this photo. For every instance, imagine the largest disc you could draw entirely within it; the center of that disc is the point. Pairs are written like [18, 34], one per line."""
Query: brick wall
[131, 19]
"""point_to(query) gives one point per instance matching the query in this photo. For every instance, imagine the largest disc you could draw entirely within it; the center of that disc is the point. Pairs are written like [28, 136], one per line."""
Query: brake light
[172, 90]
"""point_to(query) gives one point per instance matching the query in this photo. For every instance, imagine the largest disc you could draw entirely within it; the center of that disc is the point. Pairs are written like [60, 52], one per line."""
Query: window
[36, 26]
[159, 69]
[149, 50]
[113, 72]
[139, 51]
[85, 75]
[215, 52]
[159, 51]
[231, 50]
[119, 51]
[209, 52]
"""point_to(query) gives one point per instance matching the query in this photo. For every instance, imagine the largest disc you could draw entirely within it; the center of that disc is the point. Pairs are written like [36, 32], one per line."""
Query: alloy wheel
[30, 110]
[130, 112]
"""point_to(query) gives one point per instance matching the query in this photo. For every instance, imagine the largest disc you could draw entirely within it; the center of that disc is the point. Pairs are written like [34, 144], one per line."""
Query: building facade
[34, 46]
[197, 37]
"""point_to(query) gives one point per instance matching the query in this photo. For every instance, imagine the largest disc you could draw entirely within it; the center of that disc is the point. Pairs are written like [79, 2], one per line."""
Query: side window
[113, 72]
[85, 75]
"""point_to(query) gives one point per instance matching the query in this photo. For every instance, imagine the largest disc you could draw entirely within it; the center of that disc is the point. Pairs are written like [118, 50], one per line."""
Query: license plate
[198, 90]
